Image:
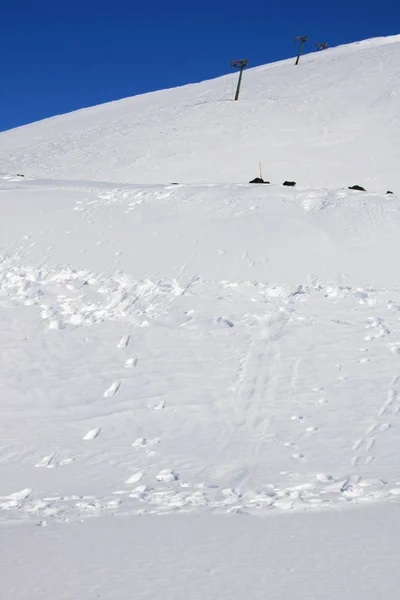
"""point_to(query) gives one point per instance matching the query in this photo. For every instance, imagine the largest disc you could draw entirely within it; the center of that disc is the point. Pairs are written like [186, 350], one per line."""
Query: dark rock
[389, 192]
[19, 175]
[357, 187]
[289, 183]
[258, 180]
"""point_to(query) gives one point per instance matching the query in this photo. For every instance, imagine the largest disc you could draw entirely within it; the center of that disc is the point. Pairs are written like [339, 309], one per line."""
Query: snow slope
[196, 348]
[332, 121]
[208, 347]
[204, 346]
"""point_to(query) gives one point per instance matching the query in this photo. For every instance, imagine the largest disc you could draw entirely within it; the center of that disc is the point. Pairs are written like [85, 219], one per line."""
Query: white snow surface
[332, 121]
[196, 348]
[347, 555]
[206, 346]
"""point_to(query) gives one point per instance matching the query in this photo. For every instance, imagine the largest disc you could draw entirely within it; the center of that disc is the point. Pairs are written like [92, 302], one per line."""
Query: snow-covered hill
[175, 340]
[332, 121]
[205, 346]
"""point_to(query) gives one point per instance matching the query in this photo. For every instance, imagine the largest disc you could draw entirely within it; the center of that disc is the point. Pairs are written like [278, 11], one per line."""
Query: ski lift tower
[241, 65]
[303, 39]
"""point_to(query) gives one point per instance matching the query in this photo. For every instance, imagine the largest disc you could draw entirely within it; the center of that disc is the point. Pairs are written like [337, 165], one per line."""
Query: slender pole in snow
[303, 39]
[239, 64]
[239, 84]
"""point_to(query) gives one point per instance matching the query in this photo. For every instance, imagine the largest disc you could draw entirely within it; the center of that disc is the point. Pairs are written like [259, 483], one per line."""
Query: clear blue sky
[58, 56]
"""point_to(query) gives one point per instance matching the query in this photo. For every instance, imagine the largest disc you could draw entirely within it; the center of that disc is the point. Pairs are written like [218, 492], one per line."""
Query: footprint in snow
[56, 324]
[383, 410]
[160, 406]
[135, 477]
[323, 477]
[92, 434]
[297, 418]
[124, 341]
[144, 442]
[140, 492]
[225, 322]
[114, 503]
[45, 462]
[19, 496]
[131, 362]
[167, 476]
[289, 445]
[298, 456]
[112, 390]
[371, 428]
[384, 427]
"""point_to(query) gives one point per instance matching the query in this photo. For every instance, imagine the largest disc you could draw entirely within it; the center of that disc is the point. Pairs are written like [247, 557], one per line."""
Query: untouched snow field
[346, 555]
[208, 347]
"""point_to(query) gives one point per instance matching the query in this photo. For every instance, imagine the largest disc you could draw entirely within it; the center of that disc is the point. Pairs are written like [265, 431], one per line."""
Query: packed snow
[176, 340]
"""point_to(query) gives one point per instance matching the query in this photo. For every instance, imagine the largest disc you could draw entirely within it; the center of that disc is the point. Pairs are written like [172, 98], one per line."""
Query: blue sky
[61, 56]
